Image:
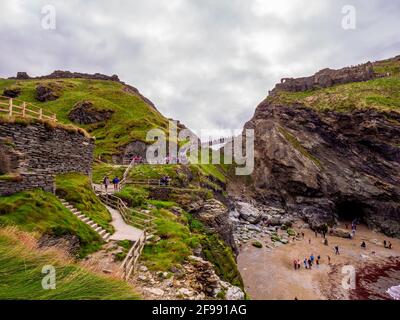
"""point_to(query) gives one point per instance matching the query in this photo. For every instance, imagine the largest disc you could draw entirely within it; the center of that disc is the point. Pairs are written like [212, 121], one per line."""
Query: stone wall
[327, 78]
[41, 152]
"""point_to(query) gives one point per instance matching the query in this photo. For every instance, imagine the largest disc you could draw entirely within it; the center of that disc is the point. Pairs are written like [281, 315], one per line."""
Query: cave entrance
[348, 210]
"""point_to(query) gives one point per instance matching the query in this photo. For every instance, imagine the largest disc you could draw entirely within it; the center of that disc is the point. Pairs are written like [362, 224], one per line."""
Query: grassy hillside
[21, 274]
[382, 94]
[41, 212]
[132, 116]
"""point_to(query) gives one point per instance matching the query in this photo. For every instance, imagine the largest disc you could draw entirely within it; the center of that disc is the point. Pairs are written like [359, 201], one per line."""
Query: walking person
[305, 263]
[106, 183]
[337, 250]
[329, 259]
[116, 182]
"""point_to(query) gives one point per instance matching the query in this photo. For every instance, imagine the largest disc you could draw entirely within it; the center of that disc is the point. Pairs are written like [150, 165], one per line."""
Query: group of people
[387, 245]
[116, 182]
[308, 262]
[138, 159]
[165, 181]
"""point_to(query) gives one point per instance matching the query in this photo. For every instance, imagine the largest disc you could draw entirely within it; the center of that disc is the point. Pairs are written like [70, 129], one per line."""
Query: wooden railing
[138, 219]
[18, 108]
[130, 262]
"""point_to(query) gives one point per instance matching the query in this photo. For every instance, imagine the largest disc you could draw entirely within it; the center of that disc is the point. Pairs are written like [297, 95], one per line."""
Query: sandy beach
[269, 274]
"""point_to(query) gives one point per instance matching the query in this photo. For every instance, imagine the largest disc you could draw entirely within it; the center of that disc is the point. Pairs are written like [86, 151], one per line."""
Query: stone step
[102, 232]
[77, 213]
[106, 237]
[85, 219]
[92, 224]
[81, 216]
[74, 210]
[98, 229]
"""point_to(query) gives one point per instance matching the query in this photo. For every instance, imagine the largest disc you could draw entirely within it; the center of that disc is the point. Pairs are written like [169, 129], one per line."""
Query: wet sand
[269, 274]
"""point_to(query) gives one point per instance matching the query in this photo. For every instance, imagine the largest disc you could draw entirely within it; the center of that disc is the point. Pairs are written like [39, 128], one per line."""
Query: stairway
[99, 230]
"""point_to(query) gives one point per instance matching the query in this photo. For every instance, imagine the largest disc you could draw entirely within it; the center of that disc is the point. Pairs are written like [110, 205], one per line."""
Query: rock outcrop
[323, 166]
[12, 92]
[215, 216]
[85, 113]
[327, 78]
[47, 92]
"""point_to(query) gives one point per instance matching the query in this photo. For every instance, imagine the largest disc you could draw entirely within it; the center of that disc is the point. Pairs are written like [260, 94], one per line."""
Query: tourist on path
[106, 183]
[116, 183]
[305, 263]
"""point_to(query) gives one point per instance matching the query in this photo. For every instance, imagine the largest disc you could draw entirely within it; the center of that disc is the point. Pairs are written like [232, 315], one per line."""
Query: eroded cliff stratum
[327, 147]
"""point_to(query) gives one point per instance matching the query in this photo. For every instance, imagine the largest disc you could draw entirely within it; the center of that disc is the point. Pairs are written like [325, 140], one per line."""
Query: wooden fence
[130, 262]
[18, 108]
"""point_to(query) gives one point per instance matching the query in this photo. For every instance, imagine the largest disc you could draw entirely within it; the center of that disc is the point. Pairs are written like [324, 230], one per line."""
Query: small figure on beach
[312, 258]
[363, 245]
[390, 246]
[305, 263]
[309, 241]
[337, 252]
[316, 233]
[326, 242]
[309, 264]
[329, 260]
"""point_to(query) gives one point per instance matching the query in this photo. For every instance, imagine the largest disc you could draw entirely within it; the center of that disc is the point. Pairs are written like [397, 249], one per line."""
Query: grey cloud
[207, 63]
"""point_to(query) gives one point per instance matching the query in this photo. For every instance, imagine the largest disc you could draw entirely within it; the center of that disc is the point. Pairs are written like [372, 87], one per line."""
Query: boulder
[341, 233]
[248, 212]
[234, 293]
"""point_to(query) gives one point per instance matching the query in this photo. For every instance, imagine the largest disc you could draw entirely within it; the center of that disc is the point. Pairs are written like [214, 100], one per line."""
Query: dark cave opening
[348, 210]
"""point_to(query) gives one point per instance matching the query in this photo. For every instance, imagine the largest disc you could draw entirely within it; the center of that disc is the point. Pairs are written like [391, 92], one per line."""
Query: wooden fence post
[23, 109]
[40, 113]
[10, 107]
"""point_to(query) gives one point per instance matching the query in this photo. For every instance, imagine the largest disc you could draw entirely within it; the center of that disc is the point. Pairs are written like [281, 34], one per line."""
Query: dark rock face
[85, 113]
[327, 78]
[70, 243]
[327, 165]
[47, 92]
[59, 74]
[216, 216]
[12, 92]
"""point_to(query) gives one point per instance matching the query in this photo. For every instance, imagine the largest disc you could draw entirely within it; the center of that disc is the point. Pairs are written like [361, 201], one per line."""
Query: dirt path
[269, 273]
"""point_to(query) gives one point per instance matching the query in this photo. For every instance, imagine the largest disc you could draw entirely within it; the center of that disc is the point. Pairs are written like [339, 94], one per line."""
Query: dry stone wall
[41, 152]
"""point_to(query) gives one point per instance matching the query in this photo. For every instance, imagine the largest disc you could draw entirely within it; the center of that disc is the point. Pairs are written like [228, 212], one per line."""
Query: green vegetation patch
[381, 94]
[175, 243]
[41, 212]
[133, 196]
[76, 189]
[21, 274]
[100, 170]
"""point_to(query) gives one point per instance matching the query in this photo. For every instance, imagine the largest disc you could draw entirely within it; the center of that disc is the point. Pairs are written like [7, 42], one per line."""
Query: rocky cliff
[333, 152]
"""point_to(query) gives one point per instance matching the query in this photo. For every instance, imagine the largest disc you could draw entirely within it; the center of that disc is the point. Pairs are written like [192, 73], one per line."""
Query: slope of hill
[333, 151]
[21, 273]
[116, 114]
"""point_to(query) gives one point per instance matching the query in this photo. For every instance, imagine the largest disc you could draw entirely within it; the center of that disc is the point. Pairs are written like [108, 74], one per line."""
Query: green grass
[21, 274]
[131, 120]
[76, 189]
[382, 94]
[41, 212]
[133, 196]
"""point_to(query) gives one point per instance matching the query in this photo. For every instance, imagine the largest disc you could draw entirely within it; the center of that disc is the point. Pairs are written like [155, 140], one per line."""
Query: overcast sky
[207, 63]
